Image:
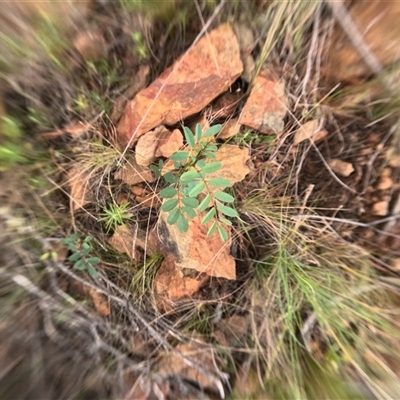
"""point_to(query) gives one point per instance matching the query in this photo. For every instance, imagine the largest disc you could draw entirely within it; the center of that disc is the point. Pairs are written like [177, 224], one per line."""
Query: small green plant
[80, 253]
[189, 179]
[115, 215]
[140, 45]
[12, 149]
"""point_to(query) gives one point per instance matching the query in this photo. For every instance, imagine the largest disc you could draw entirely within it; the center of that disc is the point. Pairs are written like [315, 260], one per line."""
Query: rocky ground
[199, 200]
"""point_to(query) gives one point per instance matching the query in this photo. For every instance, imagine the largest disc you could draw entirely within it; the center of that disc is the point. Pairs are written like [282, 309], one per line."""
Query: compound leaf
[230, 212]
[169, 205]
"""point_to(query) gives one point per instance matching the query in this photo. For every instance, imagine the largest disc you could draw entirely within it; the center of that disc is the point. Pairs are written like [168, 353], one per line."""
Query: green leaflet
[189, 176]
[212, 229]
[168, 192]
[208, 216]
[173, 216]
[189, 211]
[198, 132]
[230, 212]
[197, 189]
[222, 196]
[212, 167]
[189, 137]
[212, 131]
[220, 182]
[169, 205]
[223, 233]
[179, 156]
[190, 201]
[226, 221]
[182, 223]
[205, 202]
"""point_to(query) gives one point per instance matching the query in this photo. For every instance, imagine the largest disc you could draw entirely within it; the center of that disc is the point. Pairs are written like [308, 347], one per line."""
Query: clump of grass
[318, 308]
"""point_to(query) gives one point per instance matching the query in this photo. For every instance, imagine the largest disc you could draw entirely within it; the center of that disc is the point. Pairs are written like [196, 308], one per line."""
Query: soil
[135, 328]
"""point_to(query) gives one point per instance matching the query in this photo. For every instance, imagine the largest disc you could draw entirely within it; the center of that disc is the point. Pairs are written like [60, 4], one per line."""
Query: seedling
[80, 253]
[189, 180]
[115, 215]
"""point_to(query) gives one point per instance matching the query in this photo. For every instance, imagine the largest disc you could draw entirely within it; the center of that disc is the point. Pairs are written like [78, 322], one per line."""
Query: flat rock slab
[266, 106]
[205, 71]
[193, 250]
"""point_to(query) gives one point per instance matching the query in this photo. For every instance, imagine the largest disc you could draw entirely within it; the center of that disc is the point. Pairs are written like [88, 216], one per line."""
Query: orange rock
[266, 106]
[124, 241]
[229, 129]
[78, 181]
[171, 285]
[132, 173]
[206, 70]
[233, 160]
[225, 105]
[169, 143]
[146, 147]
[194, 250]
[145, 197]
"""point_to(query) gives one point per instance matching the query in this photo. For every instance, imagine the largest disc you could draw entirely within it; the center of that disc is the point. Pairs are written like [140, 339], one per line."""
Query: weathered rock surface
[266, 106]
[234, 163]
[205, 71]
[229, 129]
[193, 250]
[169, 143]
[132, 173]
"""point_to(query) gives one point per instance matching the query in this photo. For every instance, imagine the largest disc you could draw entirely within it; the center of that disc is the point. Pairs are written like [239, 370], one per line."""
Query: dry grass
[320, 321]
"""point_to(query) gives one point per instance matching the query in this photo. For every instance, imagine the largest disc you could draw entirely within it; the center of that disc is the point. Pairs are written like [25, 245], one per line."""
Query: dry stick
[212, 376]
[310, 56]
[330, 170]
